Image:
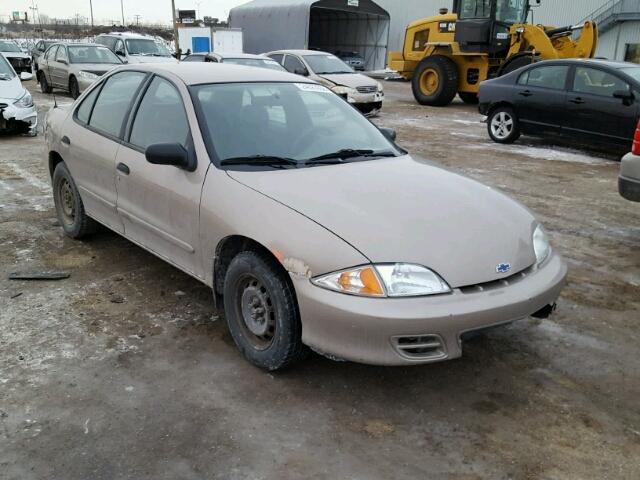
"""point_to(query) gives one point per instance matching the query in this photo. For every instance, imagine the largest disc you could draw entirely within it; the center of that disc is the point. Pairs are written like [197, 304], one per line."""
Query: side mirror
[120, 53]
[26, 76]
[170, 154]
[302, 72]
[625, 95]
[389, 133]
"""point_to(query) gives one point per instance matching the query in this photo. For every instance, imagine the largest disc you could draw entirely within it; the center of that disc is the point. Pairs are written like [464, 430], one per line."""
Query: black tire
[503, 125]
[69, 206]
[517, 61]
[44, 85]
[469, 98]
[74, 88]
[440, 87]
[262, 312]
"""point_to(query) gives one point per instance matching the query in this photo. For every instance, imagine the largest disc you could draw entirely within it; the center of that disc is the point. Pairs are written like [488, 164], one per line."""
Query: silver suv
[135, 48]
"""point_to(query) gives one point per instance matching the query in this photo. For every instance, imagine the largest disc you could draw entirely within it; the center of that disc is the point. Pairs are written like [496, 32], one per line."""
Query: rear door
[541, 97]
[92, 138]
[592, 110]
[160, 204]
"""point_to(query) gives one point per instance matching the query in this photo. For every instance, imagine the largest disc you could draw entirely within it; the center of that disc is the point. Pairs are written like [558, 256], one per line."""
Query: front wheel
[44, 84]
[435, 81]
[503, 125]
[74, 88]
[262, 313]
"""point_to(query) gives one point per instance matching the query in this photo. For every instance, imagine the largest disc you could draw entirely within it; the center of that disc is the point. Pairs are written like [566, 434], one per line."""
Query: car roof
[76, 44]
[198, 73]
[125, 35]
[240, 55]
[593, 61]
[302, 52]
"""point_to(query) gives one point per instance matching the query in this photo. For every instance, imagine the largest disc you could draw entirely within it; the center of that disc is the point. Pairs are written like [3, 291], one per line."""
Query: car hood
[150, 59]
[11, 90]
[15, 55]
[403, 210]
[351, 80]
[93, 67]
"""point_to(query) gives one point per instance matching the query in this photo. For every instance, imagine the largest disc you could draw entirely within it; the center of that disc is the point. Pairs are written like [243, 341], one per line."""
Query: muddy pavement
[124, 370]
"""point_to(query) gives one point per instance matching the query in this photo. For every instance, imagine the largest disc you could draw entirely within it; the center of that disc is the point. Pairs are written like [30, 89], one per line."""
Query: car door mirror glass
[168, 154]
[120, 53]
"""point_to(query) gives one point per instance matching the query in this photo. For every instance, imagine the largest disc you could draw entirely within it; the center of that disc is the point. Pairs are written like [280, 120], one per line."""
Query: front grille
[420, 347]
[20, 62]
[495, 284]
[367, 89]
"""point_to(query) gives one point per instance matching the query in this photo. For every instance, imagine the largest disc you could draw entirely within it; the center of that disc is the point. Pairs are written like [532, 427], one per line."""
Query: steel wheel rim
[502, 125]
[256, 312]
[429, 81]
[67, 201]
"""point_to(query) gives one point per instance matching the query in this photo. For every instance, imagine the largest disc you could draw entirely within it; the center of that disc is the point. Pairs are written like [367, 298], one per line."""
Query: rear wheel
[69, 206]
[262, 313]
[469, 98]
[503, 125]
[44, 85]
[74, 88]
[435, 81]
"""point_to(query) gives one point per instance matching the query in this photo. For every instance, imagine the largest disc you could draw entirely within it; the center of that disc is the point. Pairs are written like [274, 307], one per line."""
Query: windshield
[511, 11]
[293, 122]
[143, 46]
[91, 54]
[6, 72]
[324, 64]
[633, 72]
[255, 62]
[9, 47]
[475, 9]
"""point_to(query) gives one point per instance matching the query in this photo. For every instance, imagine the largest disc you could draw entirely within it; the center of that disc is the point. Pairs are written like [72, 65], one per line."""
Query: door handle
[65, 140]
[577, 100]
[526, 93]
[123, 168]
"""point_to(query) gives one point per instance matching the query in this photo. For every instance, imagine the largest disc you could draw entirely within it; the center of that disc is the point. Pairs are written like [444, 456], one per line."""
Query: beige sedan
[312, 227]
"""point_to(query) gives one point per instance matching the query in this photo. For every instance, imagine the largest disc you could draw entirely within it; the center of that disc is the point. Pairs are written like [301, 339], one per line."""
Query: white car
[629, 178]
[17, 110]
[136, 48]
[19, 60]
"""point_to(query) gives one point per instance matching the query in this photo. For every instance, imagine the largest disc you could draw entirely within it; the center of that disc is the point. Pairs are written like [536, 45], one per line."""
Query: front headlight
[341, 90]
[541, 244]
[385, 280]
[87, 75]
[25, 101]
[380, 87]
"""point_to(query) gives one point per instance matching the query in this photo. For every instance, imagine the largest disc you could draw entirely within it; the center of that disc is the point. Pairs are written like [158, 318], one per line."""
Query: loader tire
[435, 81]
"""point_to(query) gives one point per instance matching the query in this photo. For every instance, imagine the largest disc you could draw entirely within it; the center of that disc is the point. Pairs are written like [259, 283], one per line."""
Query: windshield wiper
[345, 154]
[259, 160]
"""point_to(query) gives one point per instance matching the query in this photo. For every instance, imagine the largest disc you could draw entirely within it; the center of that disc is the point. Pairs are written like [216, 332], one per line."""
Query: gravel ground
[124, 370]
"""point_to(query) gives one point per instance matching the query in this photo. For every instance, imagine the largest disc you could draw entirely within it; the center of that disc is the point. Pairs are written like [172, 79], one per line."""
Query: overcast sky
[155, 11]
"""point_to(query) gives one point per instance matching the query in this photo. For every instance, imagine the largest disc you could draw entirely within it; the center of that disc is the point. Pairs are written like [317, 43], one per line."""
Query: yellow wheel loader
[451, 53]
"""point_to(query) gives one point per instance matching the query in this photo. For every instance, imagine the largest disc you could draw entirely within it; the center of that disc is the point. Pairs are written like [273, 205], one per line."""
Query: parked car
[365, 93]
[17, 111]
[20, 61]
[592, 101]
[244, 178]
[136, 48]
[38, 51]
[353, 59]
[73, 67]
[629, 179]
[245, 59]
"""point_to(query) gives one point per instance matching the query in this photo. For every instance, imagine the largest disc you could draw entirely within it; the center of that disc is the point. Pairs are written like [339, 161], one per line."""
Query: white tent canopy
[330, 25]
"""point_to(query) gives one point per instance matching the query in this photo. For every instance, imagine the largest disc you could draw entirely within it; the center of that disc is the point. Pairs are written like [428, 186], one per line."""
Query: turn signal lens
[359, 281]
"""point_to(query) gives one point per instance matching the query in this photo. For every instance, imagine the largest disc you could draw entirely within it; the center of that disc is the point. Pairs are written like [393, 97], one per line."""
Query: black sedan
[593, 101]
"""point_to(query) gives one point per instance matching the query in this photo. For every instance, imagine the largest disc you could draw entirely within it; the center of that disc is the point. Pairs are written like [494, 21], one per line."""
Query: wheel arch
[501, 103]
[225, 252]
[54, 159]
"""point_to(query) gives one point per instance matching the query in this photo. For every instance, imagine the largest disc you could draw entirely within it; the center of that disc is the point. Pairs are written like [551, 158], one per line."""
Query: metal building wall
[613, 44]
[551, 12]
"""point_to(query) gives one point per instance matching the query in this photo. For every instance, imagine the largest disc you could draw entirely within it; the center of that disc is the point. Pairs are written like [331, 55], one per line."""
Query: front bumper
[16, 118]
[629, 179]
[372, 330]
[366, 102]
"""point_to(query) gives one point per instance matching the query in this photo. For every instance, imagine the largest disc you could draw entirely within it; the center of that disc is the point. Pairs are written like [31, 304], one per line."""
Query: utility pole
[122, 12]
[175, 27]
[91, 8]
[137, 17]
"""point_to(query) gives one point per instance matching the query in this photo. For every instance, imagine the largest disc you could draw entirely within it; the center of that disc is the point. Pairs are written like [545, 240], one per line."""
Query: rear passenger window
[552, 76]
[292, 64]
[84, 110]
[161, 117]
[597, 82]
[114, 101]
[277, 57]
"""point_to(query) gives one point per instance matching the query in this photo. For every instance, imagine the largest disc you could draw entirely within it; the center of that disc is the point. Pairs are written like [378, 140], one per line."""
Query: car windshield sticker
[312, 87]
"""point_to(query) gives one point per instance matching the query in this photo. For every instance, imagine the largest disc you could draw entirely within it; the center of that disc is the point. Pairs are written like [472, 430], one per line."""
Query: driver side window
[293, 64]
[119, 46]
[61, 56]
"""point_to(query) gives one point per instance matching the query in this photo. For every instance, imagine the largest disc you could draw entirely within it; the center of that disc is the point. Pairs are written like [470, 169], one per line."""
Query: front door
[59, 68]
[160, 204]
[540, 97]
[594, 112]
